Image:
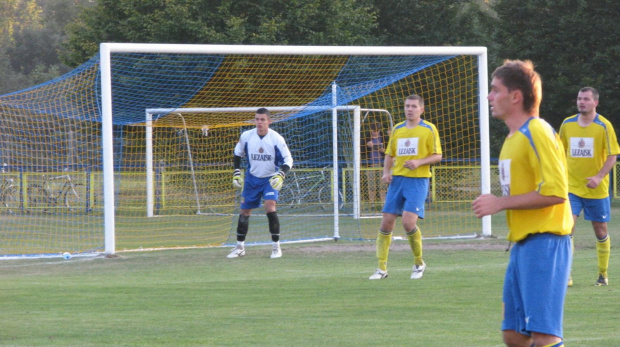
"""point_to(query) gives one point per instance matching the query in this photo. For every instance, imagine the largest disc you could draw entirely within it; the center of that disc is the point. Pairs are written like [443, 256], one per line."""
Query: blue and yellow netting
[53, 130]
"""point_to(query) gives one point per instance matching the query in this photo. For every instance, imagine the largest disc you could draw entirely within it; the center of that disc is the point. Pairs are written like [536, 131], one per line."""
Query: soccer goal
[315, 198]
[144, 133]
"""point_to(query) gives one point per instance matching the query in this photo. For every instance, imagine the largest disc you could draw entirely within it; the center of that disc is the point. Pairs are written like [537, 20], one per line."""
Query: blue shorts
[254, 190]
[406, 194]
[595, 210]
[535, 284]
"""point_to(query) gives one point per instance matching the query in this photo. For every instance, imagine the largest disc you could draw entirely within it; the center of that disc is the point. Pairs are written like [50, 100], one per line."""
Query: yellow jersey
[413, 143]
[533, 159]
[587, 149]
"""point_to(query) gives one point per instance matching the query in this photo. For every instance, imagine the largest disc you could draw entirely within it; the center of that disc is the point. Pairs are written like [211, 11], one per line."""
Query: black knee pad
[274, 226]
[242, 227]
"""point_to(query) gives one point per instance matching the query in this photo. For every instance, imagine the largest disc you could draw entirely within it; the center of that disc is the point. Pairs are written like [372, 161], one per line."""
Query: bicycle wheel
[286, 198]
[37, 198]
[9, 200]
[326, 201]
[71, 198]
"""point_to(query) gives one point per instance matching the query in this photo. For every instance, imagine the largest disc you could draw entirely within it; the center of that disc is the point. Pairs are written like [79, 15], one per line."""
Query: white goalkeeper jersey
[264, 154]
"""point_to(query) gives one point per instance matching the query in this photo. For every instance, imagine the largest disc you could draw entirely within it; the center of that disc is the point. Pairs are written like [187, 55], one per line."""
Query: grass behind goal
[316, 295]
[175, 114]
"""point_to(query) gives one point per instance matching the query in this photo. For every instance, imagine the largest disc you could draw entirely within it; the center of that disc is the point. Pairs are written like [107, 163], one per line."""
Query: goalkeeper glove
[277, 180]
[237, 180]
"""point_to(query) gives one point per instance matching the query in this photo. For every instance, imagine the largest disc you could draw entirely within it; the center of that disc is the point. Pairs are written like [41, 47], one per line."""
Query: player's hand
[237, 180]
[386, 178]
[486, 205]
[593, 182]
[277, 180]
[412, 164]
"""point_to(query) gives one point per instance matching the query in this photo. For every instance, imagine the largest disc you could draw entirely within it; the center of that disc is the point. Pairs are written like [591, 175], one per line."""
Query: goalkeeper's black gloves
[277, 180]
[237, 180]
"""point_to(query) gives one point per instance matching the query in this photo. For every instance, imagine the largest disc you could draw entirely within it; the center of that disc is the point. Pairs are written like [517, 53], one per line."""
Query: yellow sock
[555, 344]
[415, 241]
[603, 247]
[384, 240]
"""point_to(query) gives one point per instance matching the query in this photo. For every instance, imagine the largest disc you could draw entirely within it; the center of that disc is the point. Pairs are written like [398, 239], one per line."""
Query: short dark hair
[590, 89]
[520, 75]
[416, 97]
[263, 110]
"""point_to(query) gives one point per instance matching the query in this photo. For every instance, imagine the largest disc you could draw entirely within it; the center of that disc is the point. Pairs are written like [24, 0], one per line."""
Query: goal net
[133, 149]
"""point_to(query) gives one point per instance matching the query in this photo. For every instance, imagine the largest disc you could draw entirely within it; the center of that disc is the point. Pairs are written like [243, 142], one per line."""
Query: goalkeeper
[268, 159]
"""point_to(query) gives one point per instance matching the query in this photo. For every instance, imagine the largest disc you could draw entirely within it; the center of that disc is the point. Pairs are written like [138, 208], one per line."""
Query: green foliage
[66, 33]
[31, 33]
[17, 15]
[573, 43]
[283, 22]
[433, 23]
[298, 22]
[498, 132]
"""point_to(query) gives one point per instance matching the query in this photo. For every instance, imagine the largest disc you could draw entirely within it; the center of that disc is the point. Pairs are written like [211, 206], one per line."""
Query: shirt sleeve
[287, 158]
[436, 140]
[550, 162]
[613, 149]
[240, 147]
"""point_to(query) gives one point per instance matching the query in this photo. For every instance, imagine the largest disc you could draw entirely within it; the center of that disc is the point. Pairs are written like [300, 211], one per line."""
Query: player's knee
[512, 338]
[388, 221]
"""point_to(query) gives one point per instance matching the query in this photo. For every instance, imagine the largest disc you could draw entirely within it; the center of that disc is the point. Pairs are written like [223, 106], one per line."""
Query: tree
[31, 32]
[294, 22]
[16, 15]
[573, 43]
[434, 22]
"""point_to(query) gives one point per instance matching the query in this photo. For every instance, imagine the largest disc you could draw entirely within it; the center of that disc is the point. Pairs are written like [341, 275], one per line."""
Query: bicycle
[41, 196]
[8, 195]
[307, 188]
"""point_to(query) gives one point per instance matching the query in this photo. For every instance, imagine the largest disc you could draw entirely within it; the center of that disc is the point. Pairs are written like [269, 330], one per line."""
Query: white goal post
[107, 49]
[150, 201]
[358, 120]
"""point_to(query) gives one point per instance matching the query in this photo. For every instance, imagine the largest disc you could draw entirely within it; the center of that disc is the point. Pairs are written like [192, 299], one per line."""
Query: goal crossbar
[107, 49]
[150, 112]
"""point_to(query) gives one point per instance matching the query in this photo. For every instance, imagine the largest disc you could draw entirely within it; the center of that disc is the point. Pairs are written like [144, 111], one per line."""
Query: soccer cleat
[418, 271]
[602, 280]
[378, 275]
[276, 252]
[237, 252]
[570, 281]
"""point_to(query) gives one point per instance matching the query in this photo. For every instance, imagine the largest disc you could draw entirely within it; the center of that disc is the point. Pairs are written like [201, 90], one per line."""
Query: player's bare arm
[594, 181]
[387, 169]
[415, 163]
[488, 204]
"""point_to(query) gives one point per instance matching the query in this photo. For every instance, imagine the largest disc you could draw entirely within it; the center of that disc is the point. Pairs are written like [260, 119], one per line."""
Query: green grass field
[316, 295]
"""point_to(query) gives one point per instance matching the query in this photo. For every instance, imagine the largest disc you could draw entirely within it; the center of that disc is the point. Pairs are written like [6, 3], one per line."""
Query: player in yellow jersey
[534, 180]
[591, 149]
[413, 147]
